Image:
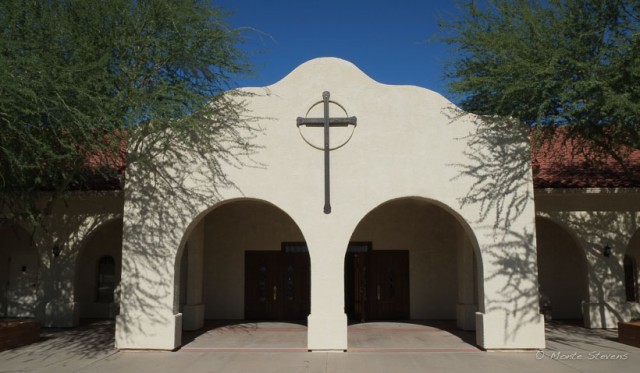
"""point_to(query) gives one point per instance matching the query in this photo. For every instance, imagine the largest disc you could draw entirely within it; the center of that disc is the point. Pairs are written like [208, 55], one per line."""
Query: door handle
[378, 291]
[275, 292]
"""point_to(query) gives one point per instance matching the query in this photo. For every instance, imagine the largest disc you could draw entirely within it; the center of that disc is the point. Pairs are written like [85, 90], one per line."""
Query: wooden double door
[377, 285]
[277, 285]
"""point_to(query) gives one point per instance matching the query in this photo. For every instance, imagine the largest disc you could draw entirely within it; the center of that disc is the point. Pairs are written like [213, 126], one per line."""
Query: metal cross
[327, 123]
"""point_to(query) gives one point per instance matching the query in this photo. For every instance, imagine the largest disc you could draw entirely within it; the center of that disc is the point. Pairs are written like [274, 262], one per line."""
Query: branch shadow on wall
[165, 195]
[605, 301]
[50, 276]
[497, 165]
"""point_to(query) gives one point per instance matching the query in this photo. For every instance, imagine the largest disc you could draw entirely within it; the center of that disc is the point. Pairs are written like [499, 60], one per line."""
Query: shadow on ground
[414, 335]
[571, 335]
[64, 349]
[92, 337]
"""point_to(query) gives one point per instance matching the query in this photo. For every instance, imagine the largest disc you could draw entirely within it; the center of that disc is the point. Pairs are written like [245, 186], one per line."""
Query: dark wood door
[277, 285]
[355, 280]
[388, 285]
[294, 286]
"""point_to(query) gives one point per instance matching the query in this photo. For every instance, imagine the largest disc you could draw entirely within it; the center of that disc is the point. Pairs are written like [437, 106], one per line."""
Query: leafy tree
[89, 85]
[572, 65]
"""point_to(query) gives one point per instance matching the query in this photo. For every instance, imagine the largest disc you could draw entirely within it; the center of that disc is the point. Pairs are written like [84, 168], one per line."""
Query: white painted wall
[408, 142]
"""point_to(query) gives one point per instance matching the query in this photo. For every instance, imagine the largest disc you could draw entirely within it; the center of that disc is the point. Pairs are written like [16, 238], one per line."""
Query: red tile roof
[563, 164]
[105, 171]
[115, 161]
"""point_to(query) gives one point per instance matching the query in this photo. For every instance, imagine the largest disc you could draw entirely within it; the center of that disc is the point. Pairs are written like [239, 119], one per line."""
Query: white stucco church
[410, 211]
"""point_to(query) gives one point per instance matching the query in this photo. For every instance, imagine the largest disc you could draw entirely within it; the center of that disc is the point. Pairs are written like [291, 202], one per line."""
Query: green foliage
[571, 64]
[80, 78]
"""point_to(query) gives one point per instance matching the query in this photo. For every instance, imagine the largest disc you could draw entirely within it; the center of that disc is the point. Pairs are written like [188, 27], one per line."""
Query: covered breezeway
[411, 279]
[245, 269]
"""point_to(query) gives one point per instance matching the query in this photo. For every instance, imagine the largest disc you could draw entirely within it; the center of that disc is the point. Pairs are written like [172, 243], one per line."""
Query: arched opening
[631, 270]
[630, 278]
[18, 272]
[245, 260]
[562, 275]
[97, 274]
[412, 260]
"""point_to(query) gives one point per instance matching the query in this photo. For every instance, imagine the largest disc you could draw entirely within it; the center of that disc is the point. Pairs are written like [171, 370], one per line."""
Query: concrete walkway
[416, 336]
[280, 347]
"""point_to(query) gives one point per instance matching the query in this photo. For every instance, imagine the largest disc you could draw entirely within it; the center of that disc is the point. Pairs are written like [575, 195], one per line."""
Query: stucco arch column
[148, 316]
[147, 319]
[509, 315]
[327, 240]
[467, 304]
[193, 311]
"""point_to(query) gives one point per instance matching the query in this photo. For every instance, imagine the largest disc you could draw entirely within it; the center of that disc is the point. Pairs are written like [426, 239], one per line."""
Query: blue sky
[391, 41]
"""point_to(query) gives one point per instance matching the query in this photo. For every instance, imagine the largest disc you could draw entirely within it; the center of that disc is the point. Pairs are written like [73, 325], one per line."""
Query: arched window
[106, 279]
[630, 278]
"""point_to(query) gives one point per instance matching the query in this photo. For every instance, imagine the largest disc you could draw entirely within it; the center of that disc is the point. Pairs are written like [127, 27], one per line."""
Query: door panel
[260, 269]
[355, 281]
[293, 302]
[388, 285]
[277, 285]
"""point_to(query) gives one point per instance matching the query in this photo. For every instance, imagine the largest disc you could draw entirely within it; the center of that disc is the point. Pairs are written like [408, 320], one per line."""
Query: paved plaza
[373, 347]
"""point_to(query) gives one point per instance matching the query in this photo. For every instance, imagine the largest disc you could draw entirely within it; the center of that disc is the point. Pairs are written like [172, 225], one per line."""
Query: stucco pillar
[466, 306]
[327, 323]
[148, 316]
[193, 311]
[147, 319]
[510, 318]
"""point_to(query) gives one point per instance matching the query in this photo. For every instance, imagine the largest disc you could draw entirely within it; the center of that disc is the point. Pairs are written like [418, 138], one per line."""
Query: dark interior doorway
[376, 283]
[277, 285]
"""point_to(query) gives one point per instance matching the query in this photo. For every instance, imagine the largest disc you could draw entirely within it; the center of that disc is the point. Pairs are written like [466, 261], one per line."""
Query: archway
[562, 274]
[18, 272]
[631, 262]
[246, 260]
[413, 260]
[97, 272]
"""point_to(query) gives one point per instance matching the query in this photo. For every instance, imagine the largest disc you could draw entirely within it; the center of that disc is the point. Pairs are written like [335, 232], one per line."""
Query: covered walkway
[413, 336]
[570, 348]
